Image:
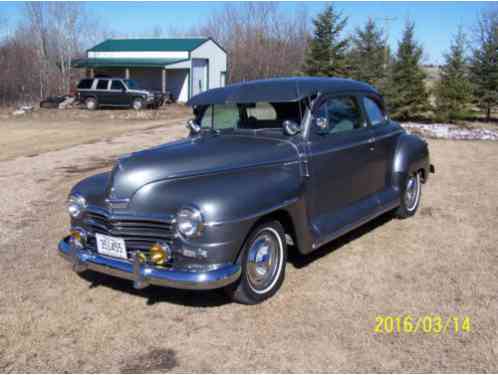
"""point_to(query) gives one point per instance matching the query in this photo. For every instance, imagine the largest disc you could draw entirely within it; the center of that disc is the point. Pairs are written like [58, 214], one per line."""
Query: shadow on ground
[155, 294]
[300, 261]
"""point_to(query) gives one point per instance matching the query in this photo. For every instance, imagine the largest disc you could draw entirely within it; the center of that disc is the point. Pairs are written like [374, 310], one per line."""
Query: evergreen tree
[484, 63]
[369, 55]
[326, 54]
[406, 94]
[453, 90]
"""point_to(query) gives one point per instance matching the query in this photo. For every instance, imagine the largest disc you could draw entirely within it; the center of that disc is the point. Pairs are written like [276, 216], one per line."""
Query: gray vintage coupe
[268, 164]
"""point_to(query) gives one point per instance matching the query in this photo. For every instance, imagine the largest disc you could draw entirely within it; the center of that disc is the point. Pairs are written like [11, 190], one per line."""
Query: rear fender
[411, 155]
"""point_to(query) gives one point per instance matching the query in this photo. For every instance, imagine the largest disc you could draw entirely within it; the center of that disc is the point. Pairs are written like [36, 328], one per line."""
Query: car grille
[138, 234]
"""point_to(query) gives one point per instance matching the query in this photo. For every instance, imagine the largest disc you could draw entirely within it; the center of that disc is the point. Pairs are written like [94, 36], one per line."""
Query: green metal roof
[123, 63]
[148, 45]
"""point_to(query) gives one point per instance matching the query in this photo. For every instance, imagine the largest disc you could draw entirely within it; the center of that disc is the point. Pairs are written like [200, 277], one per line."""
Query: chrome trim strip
[377, 138]
[143, 275]
[252, 216]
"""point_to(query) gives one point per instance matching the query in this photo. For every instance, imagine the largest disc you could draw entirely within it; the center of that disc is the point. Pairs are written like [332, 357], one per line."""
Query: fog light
[77, 237]
[160, 253]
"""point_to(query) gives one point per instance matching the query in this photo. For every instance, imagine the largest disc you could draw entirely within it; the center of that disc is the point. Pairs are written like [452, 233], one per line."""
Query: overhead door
[199, 75]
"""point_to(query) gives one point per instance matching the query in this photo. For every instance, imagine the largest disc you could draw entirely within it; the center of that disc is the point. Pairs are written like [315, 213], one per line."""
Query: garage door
[199, 75]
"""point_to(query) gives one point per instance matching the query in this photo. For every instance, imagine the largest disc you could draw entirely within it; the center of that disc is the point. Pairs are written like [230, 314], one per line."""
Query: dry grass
[442, 261]
[63, 128]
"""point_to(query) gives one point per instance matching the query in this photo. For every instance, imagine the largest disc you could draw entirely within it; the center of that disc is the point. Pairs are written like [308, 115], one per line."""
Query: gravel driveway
[443, 261]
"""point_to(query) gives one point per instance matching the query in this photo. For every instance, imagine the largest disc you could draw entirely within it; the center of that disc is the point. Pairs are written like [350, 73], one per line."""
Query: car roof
[278, 90]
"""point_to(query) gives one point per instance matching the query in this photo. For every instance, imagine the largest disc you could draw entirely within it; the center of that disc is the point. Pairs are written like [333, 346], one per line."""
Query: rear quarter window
[102, 84]
[85, 84]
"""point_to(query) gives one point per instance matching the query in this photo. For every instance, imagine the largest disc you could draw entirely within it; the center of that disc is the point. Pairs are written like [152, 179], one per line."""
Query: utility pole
[386, 20]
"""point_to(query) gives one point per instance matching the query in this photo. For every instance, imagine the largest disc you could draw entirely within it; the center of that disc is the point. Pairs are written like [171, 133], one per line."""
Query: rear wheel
[91, 104]
[410, 196]
[264, 257]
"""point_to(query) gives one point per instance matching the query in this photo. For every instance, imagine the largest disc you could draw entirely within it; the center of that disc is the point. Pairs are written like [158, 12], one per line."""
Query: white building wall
[217, 61]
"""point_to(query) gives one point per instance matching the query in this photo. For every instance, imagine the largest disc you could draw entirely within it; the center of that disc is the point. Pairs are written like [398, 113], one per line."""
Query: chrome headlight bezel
[76, 205]
[189, 222]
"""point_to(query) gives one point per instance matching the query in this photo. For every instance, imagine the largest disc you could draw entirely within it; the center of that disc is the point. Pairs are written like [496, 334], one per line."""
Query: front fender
[230, 202]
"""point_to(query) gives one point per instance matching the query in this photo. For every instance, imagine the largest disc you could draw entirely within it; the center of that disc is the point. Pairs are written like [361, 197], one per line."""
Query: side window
[102, 84]
[117, 85]
[262, 111]
[222, 116]
[374, 112]
[85, 84]
[207, 118]
[343, 114]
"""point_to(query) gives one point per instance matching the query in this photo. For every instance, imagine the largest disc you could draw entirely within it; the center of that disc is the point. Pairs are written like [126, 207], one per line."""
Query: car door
[385, 134]
[102, 91]
[117, 94]
[339, 160]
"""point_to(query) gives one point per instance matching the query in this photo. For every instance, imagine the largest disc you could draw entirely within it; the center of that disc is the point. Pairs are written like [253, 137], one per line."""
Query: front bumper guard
[143, 274]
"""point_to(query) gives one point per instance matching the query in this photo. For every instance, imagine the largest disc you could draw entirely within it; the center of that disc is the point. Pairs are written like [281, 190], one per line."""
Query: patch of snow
[449, 131]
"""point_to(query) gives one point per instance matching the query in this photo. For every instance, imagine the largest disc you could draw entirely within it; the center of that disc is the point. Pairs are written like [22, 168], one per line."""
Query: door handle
[371, 142]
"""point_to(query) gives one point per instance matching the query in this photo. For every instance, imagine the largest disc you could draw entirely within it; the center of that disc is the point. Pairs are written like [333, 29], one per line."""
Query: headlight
[76, 204]
[189, 222]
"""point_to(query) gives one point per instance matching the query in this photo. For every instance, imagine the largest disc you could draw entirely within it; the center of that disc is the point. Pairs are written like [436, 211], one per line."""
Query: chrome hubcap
[412, 192]
[137, 104]
[264, 261]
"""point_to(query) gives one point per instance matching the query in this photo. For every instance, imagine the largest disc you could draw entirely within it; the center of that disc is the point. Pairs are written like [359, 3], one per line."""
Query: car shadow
[155, 294]
[299, 260]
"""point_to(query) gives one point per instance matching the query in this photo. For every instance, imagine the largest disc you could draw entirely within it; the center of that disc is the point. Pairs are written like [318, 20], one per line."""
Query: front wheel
[410, 196]
[264, 257]
[137, 104]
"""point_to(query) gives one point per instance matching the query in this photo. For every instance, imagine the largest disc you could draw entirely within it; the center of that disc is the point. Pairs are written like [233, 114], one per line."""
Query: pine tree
[454, 90]
[369, 54]
[406, 94]
[327, 50]
[484, 63]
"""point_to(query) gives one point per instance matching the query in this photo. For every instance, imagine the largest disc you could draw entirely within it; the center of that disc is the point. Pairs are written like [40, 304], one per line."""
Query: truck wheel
[264, 257]
[91, 104]
[137, 104]
[410, 196]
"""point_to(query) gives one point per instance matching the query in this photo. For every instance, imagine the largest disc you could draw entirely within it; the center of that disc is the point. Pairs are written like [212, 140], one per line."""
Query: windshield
[261, 115]
[132, 85]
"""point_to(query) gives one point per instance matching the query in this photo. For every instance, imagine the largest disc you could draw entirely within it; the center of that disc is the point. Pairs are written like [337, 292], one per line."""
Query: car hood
[202, 155]
[140, 92]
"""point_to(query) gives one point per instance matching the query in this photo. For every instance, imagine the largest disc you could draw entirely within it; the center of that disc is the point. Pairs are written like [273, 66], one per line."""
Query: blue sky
[436, 22]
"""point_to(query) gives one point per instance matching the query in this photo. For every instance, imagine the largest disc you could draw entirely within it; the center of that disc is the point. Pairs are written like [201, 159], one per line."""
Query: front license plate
[111, 246]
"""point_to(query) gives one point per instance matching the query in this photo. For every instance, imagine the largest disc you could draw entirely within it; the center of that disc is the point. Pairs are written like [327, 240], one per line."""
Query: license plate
[111, 246]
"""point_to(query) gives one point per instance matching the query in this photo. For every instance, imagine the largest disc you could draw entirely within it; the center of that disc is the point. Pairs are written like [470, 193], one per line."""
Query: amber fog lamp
[77, 237]
[159, 253]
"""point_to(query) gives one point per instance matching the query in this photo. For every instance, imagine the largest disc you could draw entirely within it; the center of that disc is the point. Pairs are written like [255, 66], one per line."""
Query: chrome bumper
[144, 275]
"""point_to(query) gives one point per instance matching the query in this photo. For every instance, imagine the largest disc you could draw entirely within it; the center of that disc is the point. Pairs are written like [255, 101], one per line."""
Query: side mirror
[193, 126]
[291, 127]
[322, 125]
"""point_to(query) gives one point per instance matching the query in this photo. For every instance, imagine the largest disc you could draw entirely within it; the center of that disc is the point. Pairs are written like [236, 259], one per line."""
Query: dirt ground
[443, 261]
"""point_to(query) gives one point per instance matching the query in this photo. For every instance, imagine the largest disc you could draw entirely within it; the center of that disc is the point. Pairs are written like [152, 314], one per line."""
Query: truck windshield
[261, 115]
[132, 84]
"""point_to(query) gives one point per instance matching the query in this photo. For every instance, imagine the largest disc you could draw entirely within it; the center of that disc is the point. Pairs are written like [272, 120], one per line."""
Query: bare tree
[262, 41]
[37, 57]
